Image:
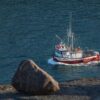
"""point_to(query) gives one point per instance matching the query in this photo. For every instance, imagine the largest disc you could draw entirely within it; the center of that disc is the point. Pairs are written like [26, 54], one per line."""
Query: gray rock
[32, 79]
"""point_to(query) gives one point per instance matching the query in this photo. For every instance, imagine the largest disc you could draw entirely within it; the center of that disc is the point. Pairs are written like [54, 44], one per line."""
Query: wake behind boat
[68, 54]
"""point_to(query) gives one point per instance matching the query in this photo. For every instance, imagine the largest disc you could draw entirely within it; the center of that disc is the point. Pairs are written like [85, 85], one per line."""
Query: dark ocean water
[28, 29]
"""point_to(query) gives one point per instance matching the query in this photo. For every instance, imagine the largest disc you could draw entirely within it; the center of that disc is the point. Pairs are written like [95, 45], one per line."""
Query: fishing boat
[69, 54]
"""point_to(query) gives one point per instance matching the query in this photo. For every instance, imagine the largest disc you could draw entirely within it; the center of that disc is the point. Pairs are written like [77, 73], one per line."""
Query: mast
[70, 34]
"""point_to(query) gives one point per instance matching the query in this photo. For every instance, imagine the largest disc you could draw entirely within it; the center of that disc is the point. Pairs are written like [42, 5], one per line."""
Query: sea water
[28, 30]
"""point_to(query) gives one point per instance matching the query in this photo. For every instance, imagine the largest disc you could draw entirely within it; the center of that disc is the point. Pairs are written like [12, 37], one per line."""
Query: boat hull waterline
[95, 60]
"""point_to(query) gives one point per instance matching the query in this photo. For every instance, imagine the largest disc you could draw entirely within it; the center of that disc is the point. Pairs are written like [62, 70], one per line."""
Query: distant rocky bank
[33, 83]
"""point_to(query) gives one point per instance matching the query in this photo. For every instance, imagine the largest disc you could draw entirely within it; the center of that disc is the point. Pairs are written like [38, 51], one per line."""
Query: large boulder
[32, 79]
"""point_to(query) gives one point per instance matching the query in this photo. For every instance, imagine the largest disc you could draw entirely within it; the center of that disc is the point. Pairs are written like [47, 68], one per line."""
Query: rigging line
[58, 37]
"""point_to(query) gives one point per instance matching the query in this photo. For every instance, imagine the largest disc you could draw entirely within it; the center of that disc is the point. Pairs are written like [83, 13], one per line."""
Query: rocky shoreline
[30, 82]
[82, 89]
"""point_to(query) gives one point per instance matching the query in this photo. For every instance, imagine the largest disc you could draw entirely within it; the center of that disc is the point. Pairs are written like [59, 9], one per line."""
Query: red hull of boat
[84, 60]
